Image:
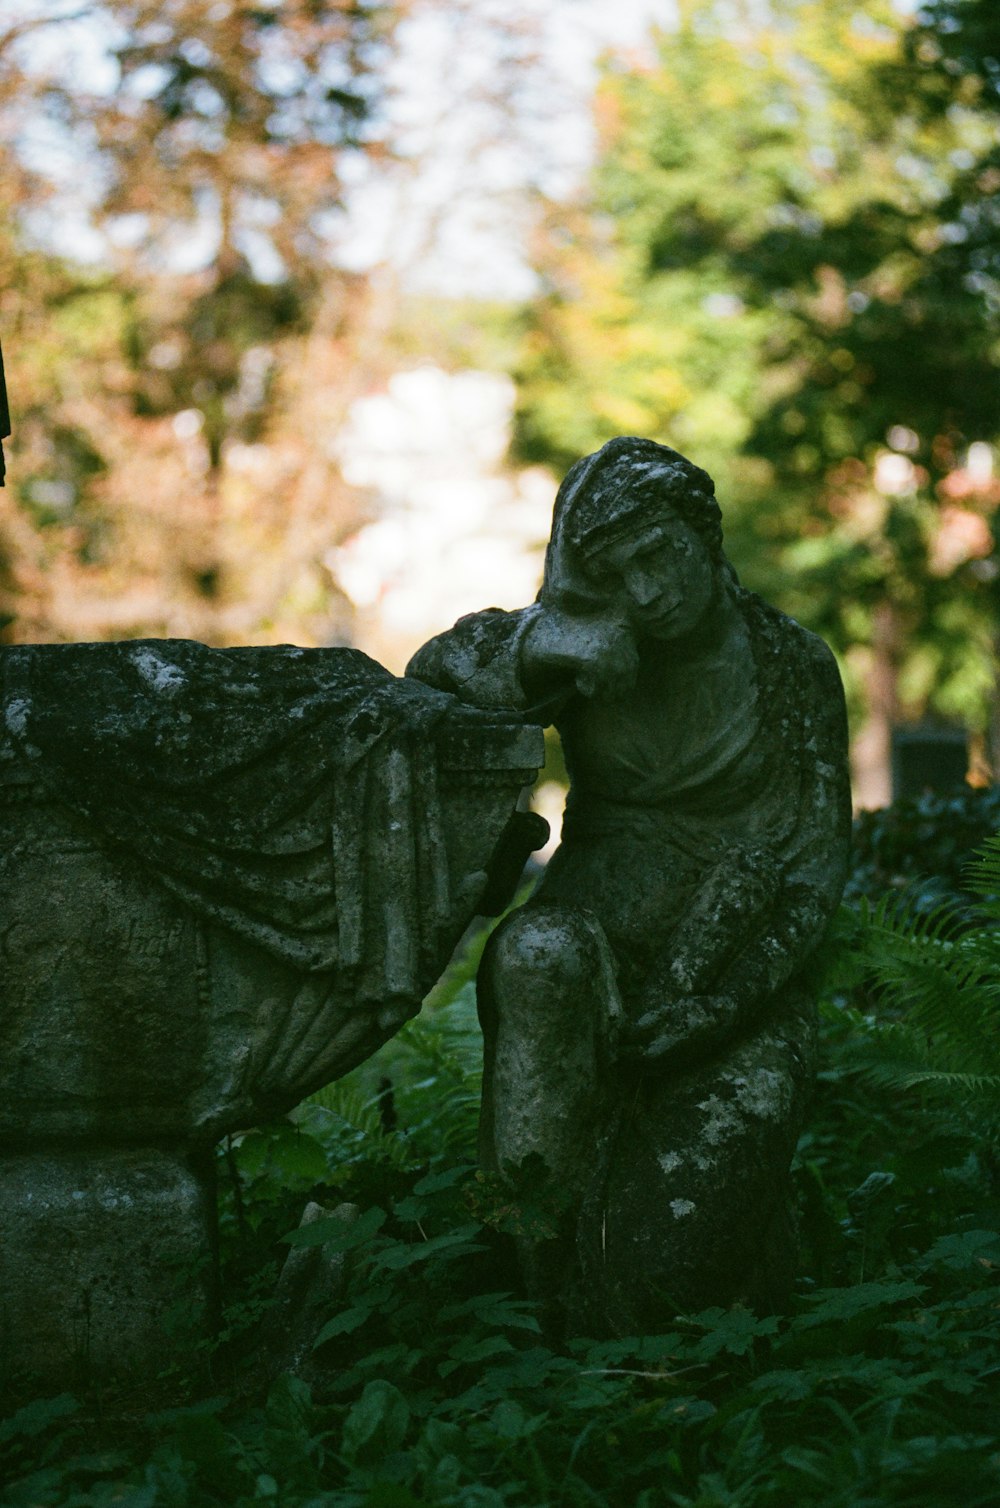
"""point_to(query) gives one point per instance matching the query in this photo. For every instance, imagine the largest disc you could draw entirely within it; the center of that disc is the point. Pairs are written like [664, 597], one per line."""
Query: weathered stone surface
[649, 1030]
[313, 1280]
[104, 1263]
[226, 877]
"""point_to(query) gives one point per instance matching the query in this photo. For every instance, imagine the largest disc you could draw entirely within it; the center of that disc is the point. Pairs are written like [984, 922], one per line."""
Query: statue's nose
[643, 588]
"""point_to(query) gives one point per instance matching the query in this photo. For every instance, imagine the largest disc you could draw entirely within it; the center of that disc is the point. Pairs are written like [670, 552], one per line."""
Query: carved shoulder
[799, 665]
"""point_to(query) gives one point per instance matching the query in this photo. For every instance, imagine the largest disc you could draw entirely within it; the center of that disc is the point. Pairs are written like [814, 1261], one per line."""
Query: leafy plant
[937, 976]
[431, 1384]
[923, 845]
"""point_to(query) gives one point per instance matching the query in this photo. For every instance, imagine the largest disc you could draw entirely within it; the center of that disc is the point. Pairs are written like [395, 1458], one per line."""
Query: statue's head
[639, 523]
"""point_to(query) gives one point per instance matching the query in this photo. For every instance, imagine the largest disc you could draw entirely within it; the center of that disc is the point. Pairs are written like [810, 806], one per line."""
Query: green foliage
[435, 1387]
[937, 979]
[789, 267]
[924, 844]
[212, 140]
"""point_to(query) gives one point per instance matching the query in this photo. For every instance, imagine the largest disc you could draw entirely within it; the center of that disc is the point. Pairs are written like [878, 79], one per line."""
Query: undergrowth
[431, 1383]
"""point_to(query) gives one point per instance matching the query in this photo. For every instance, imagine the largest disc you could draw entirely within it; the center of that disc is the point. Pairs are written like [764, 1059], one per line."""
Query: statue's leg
[549, 1008]
[693, 1208]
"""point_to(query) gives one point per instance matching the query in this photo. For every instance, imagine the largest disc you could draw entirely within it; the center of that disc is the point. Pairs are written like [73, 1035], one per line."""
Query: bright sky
[454, 214]
[458, 222]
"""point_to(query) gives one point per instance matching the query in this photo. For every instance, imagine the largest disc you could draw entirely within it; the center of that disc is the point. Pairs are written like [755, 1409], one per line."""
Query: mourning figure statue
[229, 875]
[648, 1021]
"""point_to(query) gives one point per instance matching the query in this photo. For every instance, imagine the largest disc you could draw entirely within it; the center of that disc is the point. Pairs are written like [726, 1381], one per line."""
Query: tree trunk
[871, 751]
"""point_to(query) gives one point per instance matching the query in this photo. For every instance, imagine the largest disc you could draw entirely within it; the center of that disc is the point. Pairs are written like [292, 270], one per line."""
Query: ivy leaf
[837, 1306]
[730, 1330]
[433, 1183]
[377, 1424]
[400, 1254]
[290, 1404]
[687, 1410]
[785, 1385]
[344, 1323]
[466, 1352]
[35, 1418]
[284, 1155]
[442, 1438]
[500, 1309]
[964, 1249]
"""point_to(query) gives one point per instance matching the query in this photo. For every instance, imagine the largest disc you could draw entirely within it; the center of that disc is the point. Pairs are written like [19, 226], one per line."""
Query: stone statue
[648, 1023]
[226, 877]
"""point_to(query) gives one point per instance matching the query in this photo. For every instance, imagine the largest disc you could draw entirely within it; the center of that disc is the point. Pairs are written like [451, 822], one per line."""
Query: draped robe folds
[686, 768]
[289, 795]
[227, 876]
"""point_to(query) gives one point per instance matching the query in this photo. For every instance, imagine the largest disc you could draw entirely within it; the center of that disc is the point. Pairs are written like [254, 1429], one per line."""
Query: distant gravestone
[226, 877]
[648, 1018]
[928, 758]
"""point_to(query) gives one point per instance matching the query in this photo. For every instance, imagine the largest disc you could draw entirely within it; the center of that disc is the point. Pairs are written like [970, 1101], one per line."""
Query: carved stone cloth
[702, 776]
[288, 794]
[754, 762]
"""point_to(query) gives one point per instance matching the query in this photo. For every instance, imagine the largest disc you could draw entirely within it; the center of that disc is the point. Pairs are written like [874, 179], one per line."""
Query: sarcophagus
[226, 878]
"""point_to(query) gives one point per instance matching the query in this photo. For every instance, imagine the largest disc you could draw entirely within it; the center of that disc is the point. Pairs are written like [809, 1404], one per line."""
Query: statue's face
[662, 577]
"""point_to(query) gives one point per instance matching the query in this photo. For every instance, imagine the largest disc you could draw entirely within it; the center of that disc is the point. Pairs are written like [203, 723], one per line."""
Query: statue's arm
[531, 660]
[479, 660]
[675, 1027]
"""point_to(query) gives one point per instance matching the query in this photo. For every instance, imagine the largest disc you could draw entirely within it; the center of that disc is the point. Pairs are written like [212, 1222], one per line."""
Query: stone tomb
[226, 878]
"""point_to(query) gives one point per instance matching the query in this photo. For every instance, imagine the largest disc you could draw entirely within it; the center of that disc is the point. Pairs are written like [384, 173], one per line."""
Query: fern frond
[941, 979]
[363, 1133]
[972, 1083]
[897, 918]
[953, 1022]
[983, 878]
[905, 1049]
[442, 1054]
[898, 1061]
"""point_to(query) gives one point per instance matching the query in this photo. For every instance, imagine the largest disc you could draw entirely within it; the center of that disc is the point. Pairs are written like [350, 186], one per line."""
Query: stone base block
[106, 1269]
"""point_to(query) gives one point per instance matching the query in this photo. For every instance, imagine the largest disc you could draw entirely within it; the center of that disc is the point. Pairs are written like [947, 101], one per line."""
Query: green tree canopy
[787, 268]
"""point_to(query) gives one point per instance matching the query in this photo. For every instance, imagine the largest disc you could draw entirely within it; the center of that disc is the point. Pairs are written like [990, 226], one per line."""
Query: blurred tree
[178, 400]
[175, 403]
[238, 114]
[788, 269]
[4, 419]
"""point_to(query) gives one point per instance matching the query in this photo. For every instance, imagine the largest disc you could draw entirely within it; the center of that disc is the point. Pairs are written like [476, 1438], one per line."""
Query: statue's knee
[552, 945]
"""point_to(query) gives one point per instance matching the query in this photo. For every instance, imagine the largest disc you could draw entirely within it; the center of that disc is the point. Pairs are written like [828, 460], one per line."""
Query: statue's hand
[595, 651]
[680, 1032]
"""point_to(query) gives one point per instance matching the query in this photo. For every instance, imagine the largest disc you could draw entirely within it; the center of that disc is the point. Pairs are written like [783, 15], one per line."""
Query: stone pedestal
[137, 1028]
[105, 1263]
